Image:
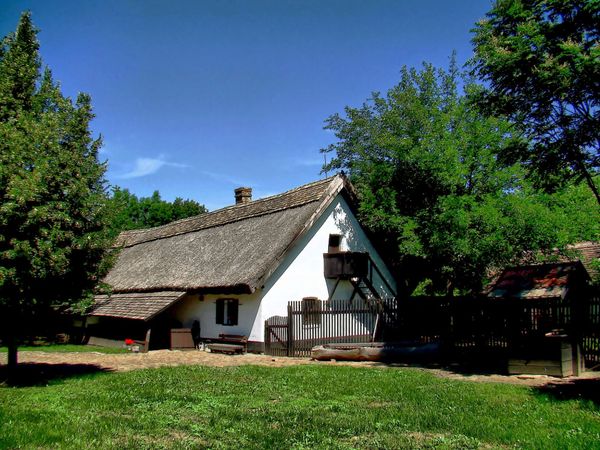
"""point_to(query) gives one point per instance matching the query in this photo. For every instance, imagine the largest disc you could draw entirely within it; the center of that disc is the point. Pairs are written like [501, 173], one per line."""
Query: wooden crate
[561, 359]
[181, 339]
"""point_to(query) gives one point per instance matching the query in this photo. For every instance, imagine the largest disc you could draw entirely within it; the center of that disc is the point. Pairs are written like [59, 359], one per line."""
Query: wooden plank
[291, 332]
[146, 341]
[528, 369]
[226, 348]
[267, 337]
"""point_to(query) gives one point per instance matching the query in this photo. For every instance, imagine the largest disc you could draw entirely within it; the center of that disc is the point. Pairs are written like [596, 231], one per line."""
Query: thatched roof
[232, 249]
[141, 306]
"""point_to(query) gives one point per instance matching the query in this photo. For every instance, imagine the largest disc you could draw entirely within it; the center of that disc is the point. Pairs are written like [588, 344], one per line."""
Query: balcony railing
[346, 265]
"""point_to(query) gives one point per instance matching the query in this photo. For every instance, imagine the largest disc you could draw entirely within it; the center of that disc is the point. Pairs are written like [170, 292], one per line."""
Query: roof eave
[241, 288]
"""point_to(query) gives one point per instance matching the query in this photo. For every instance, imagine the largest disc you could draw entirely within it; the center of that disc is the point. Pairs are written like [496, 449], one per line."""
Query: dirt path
[159, 358]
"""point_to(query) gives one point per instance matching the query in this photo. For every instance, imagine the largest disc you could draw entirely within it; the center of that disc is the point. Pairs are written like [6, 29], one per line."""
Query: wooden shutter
[220, 311]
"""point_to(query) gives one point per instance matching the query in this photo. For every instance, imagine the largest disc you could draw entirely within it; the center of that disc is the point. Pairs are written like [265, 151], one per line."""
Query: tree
[53, 202]
[541, 62]
[186, 208]
[430, 186]
[145, 212]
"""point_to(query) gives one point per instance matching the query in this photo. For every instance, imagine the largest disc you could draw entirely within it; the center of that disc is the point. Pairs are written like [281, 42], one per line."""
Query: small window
[227, 311]
[311, 311]
[335, 242]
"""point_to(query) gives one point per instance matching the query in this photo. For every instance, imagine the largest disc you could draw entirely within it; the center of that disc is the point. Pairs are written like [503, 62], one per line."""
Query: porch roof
[134, 305]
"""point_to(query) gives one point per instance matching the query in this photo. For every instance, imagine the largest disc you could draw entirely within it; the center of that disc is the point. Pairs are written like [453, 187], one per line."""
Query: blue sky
[195, 98]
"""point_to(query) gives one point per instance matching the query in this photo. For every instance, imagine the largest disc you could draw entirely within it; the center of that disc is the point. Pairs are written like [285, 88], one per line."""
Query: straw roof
[231, 250]
[141, 306]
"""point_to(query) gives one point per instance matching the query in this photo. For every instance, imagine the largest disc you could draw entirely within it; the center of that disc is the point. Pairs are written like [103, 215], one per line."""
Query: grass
[66, 348]
[293, 407]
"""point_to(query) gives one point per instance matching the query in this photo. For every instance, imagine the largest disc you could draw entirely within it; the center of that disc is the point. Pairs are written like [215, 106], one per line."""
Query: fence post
[267, 346]
[290, 341]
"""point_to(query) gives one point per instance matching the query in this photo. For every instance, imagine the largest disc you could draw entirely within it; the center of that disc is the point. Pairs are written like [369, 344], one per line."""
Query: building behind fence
[464, 326]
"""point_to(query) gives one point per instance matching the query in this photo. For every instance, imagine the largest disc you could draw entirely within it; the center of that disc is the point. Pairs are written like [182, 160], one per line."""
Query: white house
[233, 268]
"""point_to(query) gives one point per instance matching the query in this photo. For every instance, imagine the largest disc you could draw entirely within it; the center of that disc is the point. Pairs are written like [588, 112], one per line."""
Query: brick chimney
[243, 195]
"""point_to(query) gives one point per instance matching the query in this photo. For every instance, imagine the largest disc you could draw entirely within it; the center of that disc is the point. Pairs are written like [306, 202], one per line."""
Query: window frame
[333, 237]
[227, 312]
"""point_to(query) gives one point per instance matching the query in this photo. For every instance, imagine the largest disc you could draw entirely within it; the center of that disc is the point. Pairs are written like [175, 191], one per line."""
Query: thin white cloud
[226, 178]
[310, 161]
[149, 166]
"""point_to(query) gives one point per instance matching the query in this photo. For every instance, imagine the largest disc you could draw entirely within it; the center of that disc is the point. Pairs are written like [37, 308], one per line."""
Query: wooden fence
[317, 322]
[276, 336]
[497, 327]
[589, 331]
[460, 324]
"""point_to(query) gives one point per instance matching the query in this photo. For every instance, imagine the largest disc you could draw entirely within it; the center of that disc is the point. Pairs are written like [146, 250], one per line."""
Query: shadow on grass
[40, 374]
[561, 389]
[464, 367]
[579, 389]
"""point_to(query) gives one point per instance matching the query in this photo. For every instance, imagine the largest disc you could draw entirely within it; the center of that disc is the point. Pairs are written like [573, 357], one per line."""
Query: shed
[553, 290]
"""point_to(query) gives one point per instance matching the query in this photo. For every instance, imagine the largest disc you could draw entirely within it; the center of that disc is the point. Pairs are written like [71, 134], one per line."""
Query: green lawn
[292, 407]
[66, 348]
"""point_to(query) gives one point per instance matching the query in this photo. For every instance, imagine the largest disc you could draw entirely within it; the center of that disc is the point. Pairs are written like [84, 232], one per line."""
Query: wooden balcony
[346, 265]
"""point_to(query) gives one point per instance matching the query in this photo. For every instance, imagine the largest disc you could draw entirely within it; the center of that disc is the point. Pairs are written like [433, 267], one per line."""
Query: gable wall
[301, 272]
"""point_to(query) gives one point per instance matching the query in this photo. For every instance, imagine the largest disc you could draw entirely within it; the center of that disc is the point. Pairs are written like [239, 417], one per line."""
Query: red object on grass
[129, 341]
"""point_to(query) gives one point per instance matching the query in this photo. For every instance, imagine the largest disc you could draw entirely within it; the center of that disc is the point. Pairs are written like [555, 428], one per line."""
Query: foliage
[316, 406]
[145, 212]
[574, 206]
[429, 182]
[541, 62]
[53, 202]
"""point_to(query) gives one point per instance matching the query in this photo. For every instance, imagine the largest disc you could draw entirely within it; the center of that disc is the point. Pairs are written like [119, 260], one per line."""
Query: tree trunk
[590, 182]
[12, 361]
[449, 288]
[588, 178]
[371, 352]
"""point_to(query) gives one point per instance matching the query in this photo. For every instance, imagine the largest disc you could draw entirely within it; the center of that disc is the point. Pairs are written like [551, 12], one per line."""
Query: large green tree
[540, 60]
[54, 212]
[145, 212]
[430, 185]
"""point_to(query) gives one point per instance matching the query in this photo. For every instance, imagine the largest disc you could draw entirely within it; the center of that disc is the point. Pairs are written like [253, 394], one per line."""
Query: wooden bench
[229, 343]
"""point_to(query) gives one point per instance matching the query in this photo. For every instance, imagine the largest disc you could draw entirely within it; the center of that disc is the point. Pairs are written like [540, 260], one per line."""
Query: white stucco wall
[190, 308]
